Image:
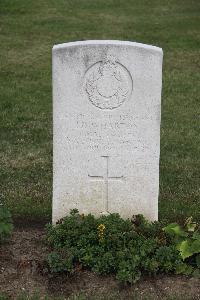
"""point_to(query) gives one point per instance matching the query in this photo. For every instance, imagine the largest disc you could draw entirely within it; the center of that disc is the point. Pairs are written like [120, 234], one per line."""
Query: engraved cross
[106, 179]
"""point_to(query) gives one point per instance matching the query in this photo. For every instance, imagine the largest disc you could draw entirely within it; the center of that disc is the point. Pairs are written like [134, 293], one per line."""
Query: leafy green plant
[126, 248]
[5, 223]
[186, 238]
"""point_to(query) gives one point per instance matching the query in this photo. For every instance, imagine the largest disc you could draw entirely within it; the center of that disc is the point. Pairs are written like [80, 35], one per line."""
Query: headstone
[106, 103]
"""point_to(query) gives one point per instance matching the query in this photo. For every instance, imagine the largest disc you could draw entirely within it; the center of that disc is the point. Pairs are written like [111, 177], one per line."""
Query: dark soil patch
[30, 223]
[23, 269]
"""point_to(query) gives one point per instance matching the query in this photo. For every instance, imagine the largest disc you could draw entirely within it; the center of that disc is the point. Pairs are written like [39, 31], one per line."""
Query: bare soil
[23, 269]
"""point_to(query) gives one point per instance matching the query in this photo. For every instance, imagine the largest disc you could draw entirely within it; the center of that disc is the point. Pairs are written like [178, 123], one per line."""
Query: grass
[29, 29]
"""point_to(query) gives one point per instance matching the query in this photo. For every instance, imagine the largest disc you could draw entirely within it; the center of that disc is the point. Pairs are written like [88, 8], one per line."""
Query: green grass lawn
[29, 29]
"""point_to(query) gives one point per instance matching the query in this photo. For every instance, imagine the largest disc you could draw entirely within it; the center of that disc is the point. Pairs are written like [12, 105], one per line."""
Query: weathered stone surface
[107, 99]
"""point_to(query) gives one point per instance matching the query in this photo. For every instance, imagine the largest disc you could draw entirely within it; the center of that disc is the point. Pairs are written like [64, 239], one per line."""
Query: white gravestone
[106, 108]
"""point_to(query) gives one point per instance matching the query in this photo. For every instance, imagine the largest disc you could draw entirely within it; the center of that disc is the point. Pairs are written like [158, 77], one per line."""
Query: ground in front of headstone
[23, 270]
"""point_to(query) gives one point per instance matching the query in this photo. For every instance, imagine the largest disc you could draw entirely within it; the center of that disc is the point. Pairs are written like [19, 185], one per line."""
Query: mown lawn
[29, 29]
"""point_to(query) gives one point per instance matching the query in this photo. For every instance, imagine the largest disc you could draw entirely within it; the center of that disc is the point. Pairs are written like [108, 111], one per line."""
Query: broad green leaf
[195, 246]
[184, 269]
[175, 229]
[185, 249]
[188, 248]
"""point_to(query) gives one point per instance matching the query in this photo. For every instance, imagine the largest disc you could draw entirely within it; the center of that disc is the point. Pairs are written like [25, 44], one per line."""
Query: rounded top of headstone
[108, 42]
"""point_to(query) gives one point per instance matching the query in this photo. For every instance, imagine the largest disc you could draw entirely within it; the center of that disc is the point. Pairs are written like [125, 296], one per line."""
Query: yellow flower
[101, 229]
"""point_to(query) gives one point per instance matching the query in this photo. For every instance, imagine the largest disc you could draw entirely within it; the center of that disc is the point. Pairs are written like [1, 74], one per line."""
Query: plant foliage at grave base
[5, 223]
[126, 248]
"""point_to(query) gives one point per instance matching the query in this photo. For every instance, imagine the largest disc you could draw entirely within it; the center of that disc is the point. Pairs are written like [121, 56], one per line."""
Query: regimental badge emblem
[108, 84]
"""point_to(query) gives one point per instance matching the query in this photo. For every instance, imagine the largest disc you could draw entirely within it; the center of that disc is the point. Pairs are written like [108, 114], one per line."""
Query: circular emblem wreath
[108, 84]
